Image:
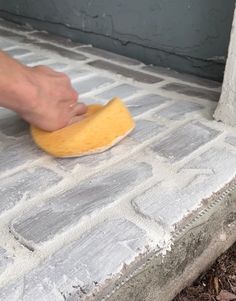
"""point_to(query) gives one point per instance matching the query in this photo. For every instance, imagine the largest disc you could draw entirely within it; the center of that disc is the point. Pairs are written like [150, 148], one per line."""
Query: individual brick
[144, 103]
[78, 269]
[16, 152]
[5, 260]
[69, 54]
[145, 130]
[136, 75]
[55, 39]
[12, 35]
[18, 51]
[58, 66]
[201, 178]
[89, 196]
[122, 91]
[77, 74]
[11, 124]
[91, 84]
[33, 59]
[188, 78]
[25, 184]
[192, 91]
[111, 56]
[231, 140]
[5, 43]
[184, 140]
[178, 110]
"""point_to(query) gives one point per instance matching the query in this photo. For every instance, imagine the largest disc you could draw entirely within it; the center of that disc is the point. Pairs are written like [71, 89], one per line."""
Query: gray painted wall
[186, 35]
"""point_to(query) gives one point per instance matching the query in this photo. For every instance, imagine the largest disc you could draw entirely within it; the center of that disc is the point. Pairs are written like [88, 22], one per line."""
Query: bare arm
[39, 94]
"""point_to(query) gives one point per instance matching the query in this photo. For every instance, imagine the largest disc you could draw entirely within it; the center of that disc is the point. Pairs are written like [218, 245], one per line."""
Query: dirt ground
[217, 284]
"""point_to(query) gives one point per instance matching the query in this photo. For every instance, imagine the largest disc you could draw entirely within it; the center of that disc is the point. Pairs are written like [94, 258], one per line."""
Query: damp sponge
[102, 127]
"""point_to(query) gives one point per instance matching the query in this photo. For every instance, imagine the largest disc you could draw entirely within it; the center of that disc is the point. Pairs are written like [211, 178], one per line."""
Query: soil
[217, 284]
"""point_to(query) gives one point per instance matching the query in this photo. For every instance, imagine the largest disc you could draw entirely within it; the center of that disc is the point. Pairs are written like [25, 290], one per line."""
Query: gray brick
[144, 103]
[13, 26]
[184, 140]
[14, 291]
[231, 140]
[5, 43]
[65, 210]
[25, 184]
[12, 35]
[55, 39]
[33, 59]
[83, 266]
[17, 51]
[57, 66]
[192, 91]
[122, 91]
[16, 152]
[178, 110]
[11, 124]
[146, 130]
[136, 75]
[204, 175]
[91, 84]
[77, 74]
[188, 78]
[69, 54]
[109, 56]
[5, 260]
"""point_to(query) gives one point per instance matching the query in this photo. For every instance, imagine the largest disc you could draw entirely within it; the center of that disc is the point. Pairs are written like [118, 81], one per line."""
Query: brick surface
[202, 176]
[117, 69]
[55, 39]
[192, 91]
[123, 91]
[79, 73]
[66, 209]
[144, 103]
[178, 110]
[5, 260]
[109, 56]
[62, 51]
[84, 265]
[160, 71]
[91, 84]
[231, 140]
[5, 43]
[15, 153]
[17, 51]
[57, 66]
[146, 129]
[11, 124]
[25, 184]
[33, 59]
[184, 140]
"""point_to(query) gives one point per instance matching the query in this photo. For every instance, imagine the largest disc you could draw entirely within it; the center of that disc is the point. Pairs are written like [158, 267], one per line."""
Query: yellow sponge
[102, 127]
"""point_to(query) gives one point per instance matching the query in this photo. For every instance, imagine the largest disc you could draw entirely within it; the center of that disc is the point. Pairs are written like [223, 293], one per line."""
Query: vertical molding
[226, 109]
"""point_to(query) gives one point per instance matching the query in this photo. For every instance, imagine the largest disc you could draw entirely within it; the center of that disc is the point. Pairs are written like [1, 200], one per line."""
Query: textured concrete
[137, 222]
[186, 35]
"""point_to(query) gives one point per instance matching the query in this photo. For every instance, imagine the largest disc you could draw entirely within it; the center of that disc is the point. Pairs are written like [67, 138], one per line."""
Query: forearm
[15, 86]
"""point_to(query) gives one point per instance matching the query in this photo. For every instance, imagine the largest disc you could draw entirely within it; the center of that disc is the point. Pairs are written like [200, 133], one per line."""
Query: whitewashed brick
[178, 110]
[5, 260]
[184, 140]
[86, 264]
[25, 184]
[145, 130]
[33, 59]
[16, 152]
[17, 52]
[206, 174]
[77, 74]
[231, 140]
[11, 124]
[144, 103]
[192, 91]
[123, 91]
[89, 196]
[58, 66]
[5, 43]
[91, 84]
